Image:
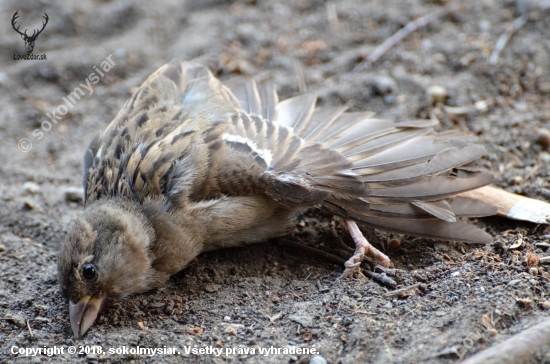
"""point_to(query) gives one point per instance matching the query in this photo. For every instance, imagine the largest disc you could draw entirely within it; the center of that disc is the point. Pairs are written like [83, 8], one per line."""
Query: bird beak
[83, 313]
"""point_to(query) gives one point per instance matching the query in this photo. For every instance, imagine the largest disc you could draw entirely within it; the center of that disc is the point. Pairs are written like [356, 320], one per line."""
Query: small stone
[28, 205]
[231, 330]
[467, 59]
[227, 318]
[16, 319]
[517, 180]
[543, 138]
[545, 305]
[211, 288]
[534, 271]
[394, 243]
[481, 106]
[437, 94]
[197, 331]
[2, 248]
[382, 85]
[492, 332]
[318, 359]
[31, 187]
[513, 282]
[304, 320]
[74, 194]
[157, 304]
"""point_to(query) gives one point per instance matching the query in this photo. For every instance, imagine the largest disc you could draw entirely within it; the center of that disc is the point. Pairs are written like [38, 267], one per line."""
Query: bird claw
[362, 248]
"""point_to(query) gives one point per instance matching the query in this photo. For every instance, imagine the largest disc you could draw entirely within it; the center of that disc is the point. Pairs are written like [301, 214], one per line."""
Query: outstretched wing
[186, 136]
[409, 173]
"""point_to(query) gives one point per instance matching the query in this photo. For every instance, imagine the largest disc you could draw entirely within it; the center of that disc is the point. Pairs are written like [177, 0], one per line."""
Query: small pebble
[31, 187]
[74, 194]
[28, 205]
[16, 319]
[318, 359]
[543, 138]
[437, 94]
[2, 248]
[197, 331]
[533, 271]
[382, 85]
[517, 180]
[304, 320]
[493, 332]
[231, 330]
[227, 318]
[546, 305]
[394, 243]
[481, 106]
[211, 288]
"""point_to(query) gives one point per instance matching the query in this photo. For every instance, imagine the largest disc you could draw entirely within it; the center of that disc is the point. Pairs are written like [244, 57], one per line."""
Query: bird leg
[362, 248]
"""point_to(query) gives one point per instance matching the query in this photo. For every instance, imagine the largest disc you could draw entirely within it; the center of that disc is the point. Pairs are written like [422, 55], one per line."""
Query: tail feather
[434, 229]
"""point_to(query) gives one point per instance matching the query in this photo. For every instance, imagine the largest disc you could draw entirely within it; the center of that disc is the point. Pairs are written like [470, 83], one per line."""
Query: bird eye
[89, 271]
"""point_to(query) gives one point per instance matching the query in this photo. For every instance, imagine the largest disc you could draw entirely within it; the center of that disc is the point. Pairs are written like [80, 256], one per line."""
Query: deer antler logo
[29, 39]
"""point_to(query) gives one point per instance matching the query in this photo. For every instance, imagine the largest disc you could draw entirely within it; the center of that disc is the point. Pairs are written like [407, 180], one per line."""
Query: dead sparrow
[189, 165]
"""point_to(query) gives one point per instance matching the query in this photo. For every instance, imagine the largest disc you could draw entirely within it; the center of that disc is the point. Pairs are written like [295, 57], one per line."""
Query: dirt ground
[460, 298]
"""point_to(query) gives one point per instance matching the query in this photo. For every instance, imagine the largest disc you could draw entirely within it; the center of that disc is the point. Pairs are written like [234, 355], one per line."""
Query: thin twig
[361, 311]
[29, 327]
[506, 36]
[398, 37]
[399, 291]
[332, 15]
[520, 348]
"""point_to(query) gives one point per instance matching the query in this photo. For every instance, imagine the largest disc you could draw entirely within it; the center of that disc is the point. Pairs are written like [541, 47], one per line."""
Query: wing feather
[186, 136]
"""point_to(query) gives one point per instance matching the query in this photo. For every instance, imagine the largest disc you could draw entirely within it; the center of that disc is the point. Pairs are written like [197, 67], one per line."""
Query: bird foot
[362, 248]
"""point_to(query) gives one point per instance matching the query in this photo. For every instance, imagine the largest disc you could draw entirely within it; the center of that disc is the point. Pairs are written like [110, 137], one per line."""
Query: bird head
[105, 257]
